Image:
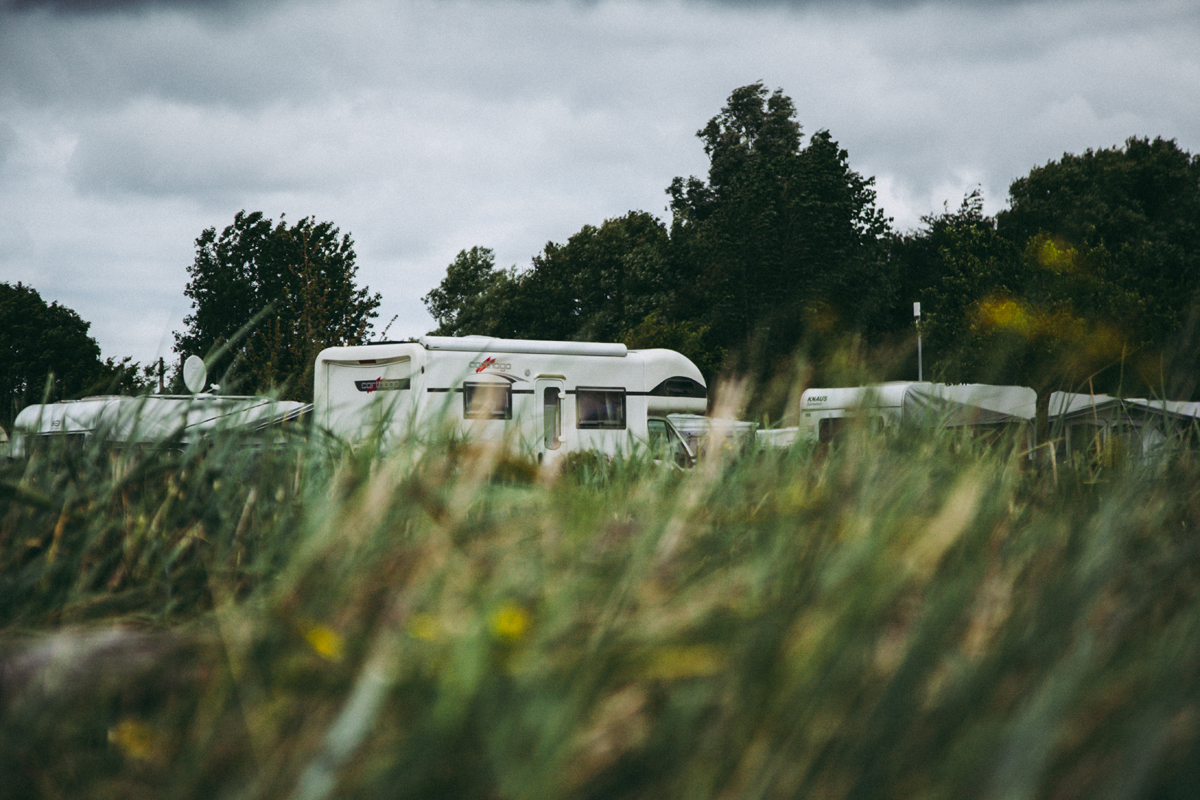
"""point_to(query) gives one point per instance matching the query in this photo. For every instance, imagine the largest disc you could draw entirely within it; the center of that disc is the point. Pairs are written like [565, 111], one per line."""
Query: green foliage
[783, 241]
[602, 282]
[1141, 202]
[782, 244]
[898, 616]
[687, 338]
[45, 351]
[268, 297]
[1087, 280]
[1139, 207]
[463, 303]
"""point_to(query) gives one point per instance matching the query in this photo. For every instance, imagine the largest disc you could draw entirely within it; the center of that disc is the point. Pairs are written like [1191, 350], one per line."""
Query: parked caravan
[1106, 427]
[148, 419]
[546, 398]
[824, 413]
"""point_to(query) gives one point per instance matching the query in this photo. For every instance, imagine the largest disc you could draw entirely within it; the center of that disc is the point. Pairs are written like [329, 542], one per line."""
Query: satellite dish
[195, 374]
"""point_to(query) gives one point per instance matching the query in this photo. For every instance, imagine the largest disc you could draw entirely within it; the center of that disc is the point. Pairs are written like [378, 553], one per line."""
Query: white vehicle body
[542, 397]
[705, 435]
[823, 412]
[148, 419]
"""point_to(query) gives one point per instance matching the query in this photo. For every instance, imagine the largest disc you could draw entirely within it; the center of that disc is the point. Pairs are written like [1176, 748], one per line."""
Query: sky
[425, 127]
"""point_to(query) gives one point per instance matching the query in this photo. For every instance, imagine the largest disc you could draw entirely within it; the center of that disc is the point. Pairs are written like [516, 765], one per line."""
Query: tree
[784, 240]
[45, 350]
[1088, 279]
[1048, 316]
[600, 283]
[268, 297]
[459, 304]
[1140, 205]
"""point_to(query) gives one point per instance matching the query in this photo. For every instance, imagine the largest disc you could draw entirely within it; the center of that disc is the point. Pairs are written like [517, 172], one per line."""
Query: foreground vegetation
[909, 616]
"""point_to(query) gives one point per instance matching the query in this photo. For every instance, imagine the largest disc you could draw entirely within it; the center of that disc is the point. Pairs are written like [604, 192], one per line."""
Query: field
[913, 615]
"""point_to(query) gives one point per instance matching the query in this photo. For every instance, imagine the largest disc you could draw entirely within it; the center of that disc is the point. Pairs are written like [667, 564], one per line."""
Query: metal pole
[920, 365]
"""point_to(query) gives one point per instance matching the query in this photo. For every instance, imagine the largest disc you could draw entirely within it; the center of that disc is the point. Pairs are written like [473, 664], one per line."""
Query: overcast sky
[425, 127]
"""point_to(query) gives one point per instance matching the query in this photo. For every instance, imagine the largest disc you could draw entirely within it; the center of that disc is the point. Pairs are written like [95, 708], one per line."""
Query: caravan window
[831, 429]
[602, 409]
[679, 386]
[487, 401]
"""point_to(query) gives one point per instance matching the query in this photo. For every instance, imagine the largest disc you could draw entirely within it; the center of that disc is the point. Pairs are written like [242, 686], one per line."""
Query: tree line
[266, 297]
[1088, 278]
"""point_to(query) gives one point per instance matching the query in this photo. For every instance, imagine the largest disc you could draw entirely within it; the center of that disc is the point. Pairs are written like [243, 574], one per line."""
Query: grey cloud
[102, 62]
[162, 150]
[8, 143]
[98, 7]
[425, 126]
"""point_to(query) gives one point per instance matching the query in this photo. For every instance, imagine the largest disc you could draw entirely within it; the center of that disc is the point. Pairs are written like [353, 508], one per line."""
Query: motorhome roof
[479, 344]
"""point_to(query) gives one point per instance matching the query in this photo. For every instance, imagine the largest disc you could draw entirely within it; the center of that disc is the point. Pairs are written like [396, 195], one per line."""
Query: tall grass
[910, 615]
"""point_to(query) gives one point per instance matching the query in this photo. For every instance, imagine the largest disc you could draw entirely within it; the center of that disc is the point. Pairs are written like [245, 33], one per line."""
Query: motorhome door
[549, 431]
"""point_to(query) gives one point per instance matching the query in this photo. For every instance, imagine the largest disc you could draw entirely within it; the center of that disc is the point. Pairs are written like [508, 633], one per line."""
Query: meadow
[910, 615]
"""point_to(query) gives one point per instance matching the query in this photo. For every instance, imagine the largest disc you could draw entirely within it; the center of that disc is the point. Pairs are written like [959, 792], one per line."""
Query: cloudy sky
[423, 127]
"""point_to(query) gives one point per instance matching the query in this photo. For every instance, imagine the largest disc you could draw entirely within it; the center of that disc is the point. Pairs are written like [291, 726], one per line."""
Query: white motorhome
[542, 397]
[823, 413]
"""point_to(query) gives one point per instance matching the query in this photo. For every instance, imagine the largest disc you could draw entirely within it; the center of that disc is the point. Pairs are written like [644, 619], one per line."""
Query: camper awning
[955, 405]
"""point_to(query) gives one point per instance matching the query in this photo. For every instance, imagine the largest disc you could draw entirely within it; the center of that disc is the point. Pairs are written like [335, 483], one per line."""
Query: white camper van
[545, 398]
[824, 412]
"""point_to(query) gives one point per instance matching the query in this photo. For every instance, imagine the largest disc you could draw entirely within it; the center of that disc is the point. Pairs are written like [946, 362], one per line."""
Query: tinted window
[600, 408]
[679, 387]
[487, 401]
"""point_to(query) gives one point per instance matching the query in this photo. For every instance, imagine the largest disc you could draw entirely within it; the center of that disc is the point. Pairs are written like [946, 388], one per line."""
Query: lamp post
[920, 366]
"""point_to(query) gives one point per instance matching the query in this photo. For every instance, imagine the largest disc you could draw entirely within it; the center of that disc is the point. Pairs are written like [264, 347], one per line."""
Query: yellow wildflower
[134, 738]
[509, 622]
[325, 641]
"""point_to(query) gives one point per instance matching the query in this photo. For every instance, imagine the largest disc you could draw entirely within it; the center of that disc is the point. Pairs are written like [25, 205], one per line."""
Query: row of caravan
[547, 399]
[543, 398]
[1079, 422]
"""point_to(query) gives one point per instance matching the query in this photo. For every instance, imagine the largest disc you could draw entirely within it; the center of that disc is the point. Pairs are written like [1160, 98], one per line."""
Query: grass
[903, 616]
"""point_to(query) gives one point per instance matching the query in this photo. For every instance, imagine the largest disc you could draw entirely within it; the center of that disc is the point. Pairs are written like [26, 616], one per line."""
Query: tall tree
[784, 239]
[295, 283]
[1140, 204]
[43, 346]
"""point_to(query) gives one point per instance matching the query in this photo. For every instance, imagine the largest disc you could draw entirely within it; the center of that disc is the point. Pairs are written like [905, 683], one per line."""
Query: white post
[920, 366]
